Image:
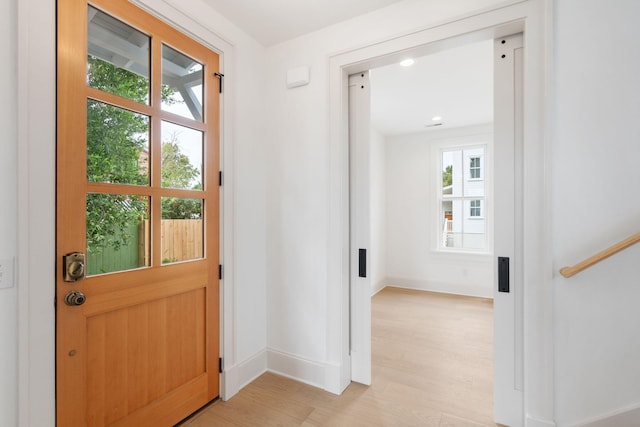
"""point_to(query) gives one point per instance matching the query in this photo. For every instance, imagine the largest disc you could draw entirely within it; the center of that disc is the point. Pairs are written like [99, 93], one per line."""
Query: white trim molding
[534, 422]
[623, 417]
[441, 287]
[238, 376]
[296, 367]
[531, 18]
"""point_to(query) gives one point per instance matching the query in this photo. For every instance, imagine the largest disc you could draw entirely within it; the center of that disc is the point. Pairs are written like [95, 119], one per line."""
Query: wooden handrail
[629, 241]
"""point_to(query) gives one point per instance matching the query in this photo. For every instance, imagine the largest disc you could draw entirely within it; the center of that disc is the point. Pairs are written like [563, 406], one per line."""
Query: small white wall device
[297, 77]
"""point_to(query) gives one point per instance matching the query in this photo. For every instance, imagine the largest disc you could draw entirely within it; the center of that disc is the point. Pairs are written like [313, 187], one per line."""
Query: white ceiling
[274, 21]
[456, 84]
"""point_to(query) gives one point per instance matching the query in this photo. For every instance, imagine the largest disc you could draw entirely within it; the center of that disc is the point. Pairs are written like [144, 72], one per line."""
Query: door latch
[73, 264]
[75, 298]
[503, 274]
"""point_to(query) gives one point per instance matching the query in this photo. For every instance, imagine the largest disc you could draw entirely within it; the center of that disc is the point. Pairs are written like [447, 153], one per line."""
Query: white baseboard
[241, 374]
[337, 377]
[442, 287]
[377, 287]
[380, 286]
[534, 422]
[623, 417]
[296, 368]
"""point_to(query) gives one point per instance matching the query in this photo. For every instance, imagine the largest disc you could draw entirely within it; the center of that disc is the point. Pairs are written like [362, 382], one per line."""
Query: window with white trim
[475, 209]
[474, 167]
[462, 195]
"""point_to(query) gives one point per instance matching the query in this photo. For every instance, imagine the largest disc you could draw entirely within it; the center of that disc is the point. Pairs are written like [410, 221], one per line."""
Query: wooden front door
[138, 198]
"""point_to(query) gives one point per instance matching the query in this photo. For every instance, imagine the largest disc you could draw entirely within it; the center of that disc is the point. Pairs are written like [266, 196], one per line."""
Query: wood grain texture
[600, 256]
[143, 349]
[432, 366]
[141, 353]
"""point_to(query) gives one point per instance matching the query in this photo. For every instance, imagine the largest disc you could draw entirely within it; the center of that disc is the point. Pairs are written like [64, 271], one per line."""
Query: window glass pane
[462, 213]
[181, 157]
[475, 167]
[117, 145]
[117, 57]
[473, 184]
[473, 226]
[117, 232]
[182, 229]
[451, 173]
[181, 84]
[452, 223]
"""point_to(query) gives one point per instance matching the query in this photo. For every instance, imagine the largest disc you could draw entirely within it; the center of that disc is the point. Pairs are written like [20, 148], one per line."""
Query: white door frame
[531, 18]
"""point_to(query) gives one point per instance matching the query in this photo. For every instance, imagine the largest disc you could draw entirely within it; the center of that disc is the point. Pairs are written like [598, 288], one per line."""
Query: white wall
[298, 216]
[378, 210]
[412, 216]
[594, 180]
[8, 214]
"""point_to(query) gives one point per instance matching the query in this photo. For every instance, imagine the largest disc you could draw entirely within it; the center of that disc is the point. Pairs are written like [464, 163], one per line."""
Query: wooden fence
[181, 240]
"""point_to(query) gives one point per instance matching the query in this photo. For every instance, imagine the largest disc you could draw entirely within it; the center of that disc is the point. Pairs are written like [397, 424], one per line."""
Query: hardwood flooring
[432, 365]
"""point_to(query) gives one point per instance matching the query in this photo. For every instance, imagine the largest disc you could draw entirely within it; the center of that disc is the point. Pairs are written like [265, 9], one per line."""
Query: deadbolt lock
[73, 267]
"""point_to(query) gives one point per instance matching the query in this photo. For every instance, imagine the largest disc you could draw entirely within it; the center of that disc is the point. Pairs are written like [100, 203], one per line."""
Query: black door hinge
[220, 77]
[220, 178]
[220, 271]
[220, 365]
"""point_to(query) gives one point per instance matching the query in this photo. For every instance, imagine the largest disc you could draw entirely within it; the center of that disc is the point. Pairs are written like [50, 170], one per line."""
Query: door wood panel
[144, 347]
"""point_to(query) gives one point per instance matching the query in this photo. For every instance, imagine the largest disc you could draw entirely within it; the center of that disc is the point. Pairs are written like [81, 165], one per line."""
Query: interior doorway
[486, 148]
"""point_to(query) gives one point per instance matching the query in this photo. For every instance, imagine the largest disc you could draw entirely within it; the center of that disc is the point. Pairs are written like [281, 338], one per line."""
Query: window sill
[462, 252]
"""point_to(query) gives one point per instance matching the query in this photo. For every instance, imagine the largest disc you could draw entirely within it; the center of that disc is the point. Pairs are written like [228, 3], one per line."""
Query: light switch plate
[6, 273]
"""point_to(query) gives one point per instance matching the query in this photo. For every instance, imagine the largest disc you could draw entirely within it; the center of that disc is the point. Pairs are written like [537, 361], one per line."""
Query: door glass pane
[182, 229]
[117, 145]
[181, 157]
[117, 57]
[181, 84]
[117, 232]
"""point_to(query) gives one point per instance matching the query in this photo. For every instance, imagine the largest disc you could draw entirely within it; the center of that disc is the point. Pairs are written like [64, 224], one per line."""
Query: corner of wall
[238, 376]
[303, 370]
[534, 422]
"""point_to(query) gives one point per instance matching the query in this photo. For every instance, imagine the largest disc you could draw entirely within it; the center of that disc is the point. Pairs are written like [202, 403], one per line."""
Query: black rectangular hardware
[220, 271]
[503, 274]
[220, 365]
[362, 263]
[220, 178]
[220, 77]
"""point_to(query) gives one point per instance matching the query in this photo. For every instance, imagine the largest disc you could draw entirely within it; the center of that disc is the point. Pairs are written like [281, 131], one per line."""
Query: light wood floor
[432, 366]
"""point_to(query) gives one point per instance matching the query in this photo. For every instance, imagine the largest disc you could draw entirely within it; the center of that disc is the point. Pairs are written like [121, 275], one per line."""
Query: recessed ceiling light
[436, 118]
[407, 62]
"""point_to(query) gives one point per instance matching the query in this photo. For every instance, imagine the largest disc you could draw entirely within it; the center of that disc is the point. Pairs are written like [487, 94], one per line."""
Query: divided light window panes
[462, 196]
[117, 57]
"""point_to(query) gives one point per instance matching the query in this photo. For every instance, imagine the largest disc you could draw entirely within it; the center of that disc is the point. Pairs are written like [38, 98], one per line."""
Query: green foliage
[175, 208]
[109, 78]
[117, 144]
[109, 220]
[447, 176]
[177, 170]
[115, 141]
